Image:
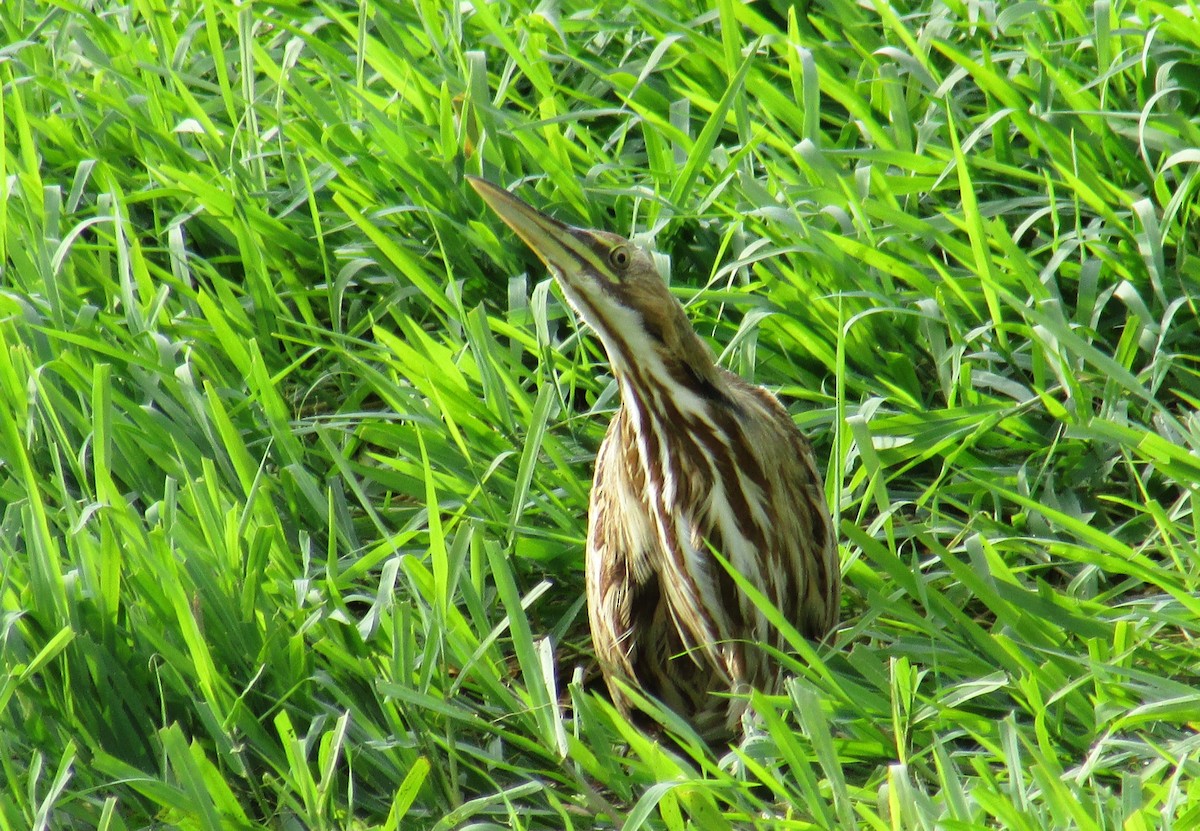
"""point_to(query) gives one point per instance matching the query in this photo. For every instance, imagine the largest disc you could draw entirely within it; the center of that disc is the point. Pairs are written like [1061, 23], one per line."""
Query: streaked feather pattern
[664, 613]
[695, 460]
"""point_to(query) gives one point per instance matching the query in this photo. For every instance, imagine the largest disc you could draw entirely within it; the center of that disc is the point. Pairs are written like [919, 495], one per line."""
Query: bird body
[696, 460]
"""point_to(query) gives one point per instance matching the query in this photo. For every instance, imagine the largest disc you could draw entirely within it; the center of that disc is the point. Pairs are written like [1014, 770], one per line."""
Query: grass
[296, 439]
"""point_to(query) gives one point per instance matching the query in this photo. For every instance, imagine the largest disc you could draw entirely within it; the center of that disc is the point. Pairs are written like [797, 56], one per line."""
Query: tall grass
[295, 439]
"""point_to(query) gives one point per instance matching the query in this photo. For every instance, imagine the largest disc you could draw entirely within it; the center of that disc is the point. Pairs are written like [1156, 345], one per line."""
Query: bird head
[612, 283]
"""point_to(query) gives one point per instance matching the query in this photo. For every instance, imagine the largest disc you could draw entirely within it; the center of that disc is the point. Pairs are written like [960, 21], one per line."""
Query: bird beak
[560, 246]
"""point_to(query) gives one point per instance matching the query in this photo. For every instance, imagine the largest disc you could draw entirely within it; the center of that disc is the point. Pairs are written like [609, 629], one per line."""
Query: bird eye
[619, 256]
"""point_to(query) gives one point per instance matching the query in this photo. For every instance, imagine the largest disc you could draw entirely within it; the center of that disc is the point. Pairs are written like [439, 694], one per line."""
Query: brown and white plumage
[695, 460]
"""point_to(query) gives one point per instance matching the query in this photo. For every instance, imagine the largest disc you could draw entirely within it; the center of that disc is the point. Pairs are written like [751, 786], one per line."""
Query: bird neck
[675, 383]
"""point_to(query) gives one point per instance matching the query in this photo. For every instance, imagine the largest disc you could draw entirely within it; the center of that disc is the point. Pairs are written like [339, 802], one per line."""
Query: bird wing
[800, 556]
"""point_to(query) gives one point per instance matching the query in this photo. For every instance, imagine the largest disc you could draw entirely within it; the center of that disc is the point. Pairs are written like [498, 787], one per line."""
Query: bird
[696, 462]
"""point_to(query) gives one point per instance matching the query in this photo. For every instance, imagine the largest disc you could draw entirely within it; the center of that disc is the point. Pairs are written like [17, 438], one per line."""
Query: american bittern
[696, 460]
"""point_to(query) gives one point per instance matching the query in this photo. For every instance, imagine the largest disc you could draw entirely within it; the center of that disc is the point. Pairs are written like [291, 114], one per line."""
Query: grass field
[296, 438]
